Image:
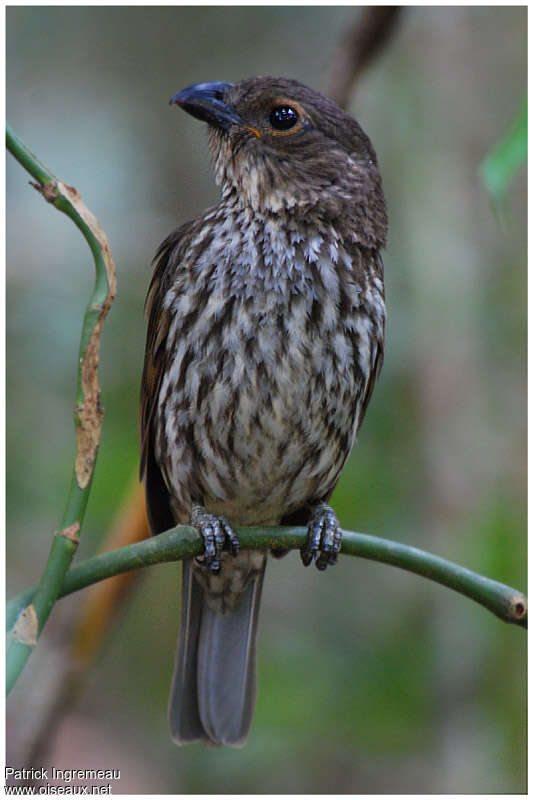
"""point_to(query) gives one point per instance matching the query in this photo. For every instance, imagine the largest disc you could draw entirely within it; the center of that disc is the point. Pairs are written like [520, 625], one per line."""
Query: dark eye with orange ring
[283, 118]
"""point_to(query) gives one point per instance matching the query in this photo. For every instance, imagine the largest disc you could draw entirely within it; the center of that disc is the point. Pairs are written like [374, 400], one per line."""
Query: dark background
[370, 679]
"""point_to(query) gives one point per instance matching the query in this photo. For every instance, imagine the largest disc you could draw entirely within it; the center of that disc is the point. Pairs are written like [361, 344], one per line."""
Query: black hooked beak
[205, 101]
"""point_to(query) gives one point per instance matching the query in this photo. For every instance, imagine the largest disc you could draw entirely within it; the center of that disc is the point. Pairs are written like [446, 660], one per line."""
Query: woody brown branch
[372, 30]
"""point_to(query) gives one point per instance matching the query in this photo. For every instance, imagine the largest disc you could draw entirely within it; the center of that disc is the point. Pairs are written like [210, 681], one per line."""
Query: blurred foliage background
[370, 680]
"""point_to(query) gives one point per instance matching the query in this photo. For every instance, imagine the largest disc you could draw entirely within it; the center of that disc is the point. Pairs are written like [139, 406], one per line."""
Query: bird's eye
[283, 118]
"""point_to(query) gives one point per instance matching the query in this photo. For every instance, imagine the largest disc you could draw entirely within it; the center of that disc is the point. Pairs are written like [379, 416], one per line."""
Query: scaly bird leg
[216, 533]
[325, 538]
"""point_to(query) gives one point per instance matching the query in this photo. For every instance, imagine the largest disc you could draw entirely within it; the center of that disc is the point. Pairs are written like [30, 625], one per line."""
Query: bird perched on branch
[266, 321]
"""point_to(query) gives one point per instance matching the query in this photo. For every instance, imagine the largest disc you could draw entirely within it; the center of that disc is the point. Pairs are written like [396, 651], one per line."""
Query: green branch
[508, 604]
[87, 414]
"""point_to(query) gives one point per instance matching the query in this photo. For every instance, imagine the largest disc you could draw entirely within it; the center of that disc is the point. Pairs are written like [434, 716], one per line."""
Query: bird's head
[284, 147]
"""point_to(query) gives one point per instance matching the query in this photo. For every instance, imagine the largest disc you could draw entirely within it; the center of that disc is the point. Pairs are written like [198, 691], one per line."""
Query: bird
[265, 335]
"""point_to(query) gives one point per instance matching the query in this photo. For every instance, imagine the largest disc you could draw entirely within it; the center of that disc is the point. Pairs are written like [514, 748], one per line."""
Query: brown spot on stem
[26, 627]
[71, 532]
[518, 607]
[73, 193]
[48, 190]
[89, 412]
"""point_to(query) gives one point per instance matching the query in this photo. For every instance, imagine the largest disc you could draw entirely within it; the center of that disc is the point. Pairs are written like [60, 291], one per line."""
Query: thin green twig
[184, 541]
[87, 414]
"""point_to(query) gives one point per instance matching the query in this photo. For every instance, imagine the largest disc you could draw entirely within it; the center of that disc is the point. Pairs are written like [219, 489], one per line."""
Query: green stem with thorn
[87, 415]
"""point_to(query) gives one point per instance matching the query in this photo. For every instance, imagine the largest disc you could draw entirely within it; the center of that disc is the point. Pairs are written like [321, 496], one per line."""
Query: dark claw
[217, 534]
[230, 536]
[325, 538]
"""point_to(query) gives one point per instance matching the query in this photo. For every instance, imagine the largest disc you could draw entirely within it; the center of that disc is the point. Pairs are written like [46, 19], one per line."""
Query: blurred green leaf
[505, 158]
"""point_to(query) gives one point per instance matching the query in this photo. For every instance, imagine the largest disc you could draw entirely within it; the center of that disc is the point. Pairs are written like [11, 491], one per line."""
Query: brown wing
[166, 262]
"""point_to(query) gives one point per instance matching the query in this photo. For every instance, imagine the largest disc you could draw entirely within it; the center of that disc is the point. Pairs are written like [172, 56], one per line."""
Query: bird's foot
[324, 538]
[217, 535]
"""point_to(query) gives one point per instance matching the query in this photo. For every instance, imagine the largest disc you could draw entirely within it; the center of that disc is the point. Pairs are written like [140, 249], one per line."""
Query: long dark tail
[213, 688]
